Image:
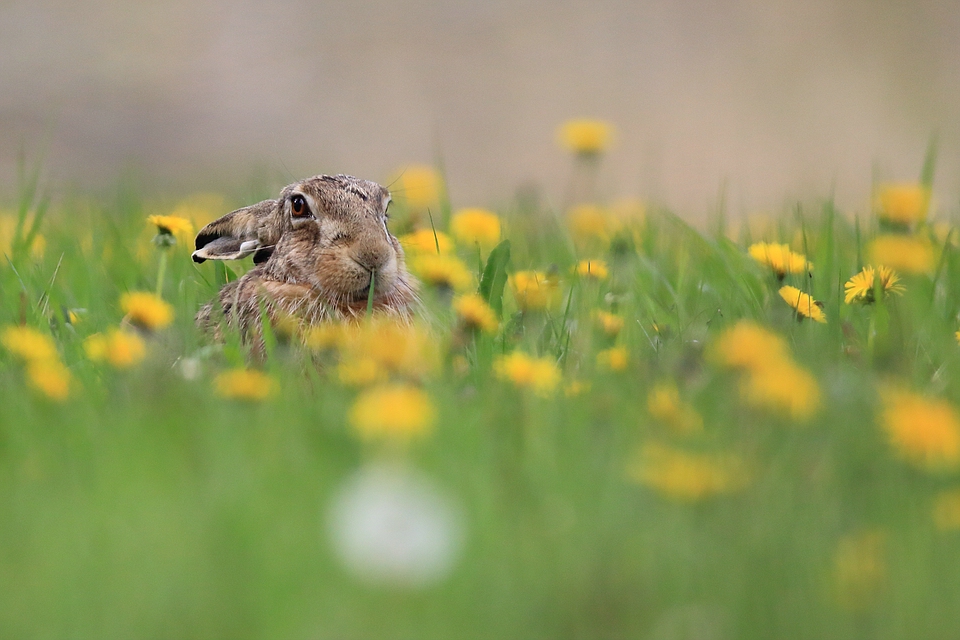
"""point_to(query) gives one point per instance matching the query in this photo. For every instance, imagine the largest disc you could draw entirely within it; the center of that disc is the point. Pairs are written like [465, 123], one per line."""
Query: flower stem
[161, 272]
[373, 277]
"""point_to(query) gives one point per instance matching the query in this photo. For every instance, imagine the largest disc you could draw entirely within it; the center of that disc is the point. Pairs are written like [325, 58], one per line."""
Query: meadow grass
[145, 504]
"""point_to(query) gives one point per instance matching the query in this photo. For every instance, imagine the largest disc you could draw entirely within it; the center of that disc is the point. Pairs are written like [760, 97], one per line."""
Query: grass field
[703, 461]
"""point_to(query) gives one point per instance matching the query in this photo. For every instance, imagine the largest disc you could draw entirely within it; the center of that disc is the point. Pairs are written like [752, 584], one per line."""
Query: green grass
[144, 506]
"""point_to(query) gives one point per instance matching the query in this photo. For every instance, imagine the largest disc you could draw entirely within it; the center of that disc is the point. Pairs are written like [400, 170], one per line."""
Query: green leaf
[495, 277]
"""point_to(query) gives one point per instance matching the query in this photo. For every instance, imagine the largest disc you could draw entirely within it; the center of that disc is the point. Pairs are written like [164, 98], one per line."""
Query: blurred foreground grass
[675, 453]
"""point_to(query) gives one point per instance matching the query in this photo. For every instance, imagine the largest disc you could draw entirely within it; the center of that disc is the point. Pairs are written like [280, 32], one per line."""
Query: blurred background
[766, 100]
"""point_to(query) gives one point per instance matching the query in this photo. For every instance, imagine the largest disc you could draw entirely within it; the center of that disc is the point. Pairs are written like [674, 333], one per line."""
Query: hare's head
[329, 232]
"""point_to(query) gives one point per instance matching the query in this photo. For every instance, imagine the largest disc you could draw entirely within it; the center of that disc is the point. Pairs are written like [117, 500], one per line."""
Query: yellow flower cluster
[592, 269]
[924, 431]
[585, 136]
[685, 476]
[120, 348]
[426, 241]
[907, 254]
[610, 323]
[779, 258]
[419, 186]
[613, 359]
[392, 411]
[475, 313]
[244, 384]
[476, 227]
[665, 405]
[146, 310]
[45, 371]
[534, 290]
[172, 226]
[442, 270]
[590, 222]
[771, 379]
[861, 287]
[523, 370]
[902, 203]
[803, 304]
[8, 229]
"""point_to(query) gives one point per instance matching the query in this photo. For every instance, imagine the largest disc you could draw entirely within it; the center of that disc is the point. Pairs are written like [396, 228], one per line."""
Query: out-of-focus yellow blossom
[613, 359]
[475, 313]
[442, 271]
[630, 211]
[779, 258]
[8, 228]
[476, 226]
[860, 288]
[50, 377]
[359, 371]
[146, 310]
[592, 269]
[859, 569]
[902, 203]
[396, 349]
[392, 411]
[946, 510]
[924, 431]
[803, 304]
[665, 405]
[687, 477]
[576, 388]
[782, 386]
[28, 344]
[426, 241]
[327, 336]
[610, 323]
[534, 290]
[244, 384]
[747, 345]
[591, 222]
[957, 336]
[121, 349]
[172, 225]
[585, 136]
[907, 254]
[418, 186]
[200, 208]
[523, 370]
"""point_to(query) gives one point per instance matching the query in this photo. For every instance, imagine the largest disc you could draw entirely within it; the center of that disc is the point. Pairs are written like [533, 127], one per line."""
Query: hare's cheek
[340, 274]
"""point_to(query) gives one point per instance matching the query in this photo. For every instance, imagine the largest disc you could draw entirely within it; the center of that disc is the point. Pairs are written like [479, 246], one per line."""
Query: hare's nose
[371, 259]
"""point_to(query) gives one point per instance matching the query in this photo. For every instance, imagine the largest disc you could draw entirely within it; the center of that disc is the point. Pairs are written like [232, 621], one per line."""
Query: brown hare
[317, 249]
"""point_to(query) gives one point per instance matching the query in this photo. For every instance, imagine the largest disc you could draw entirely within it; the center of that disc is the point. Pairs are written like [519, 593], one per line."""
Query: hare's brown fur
[318, 245]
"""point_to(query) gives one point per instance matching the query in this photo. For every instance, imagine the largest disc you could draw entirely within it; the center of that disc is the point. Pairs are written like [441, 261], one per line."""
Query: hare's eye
[298, 205]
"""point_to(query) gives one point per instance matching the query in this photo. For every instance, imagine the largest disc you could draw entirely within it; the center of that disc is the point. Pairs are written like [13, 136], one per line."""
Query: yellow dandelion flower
[779, 258]
[585, 136]
[8, 229]
[860, 288]
[172, 225]
[419, 186]
[803, 304]
[244, 384]
[327, 336]
[859, 569]
[146, 310]
[903, 203]
[360, 371]
[592, 269]
[924, 431]
[946, 510]
[523, 370]
[782, 386]
[906, 254]
[395, 348]
[534, 290]
[442, 271]
[610, 323]
[687, 477]
[200, 208]
[426, 241]
[28, 344]
[394, 410]
[576, 388]
[613, 359]
[957, 336]
[665, 405]
[476, 226]
[475, 313]
[121, 349]
[591, 222]
[50, 377]
[747, 345]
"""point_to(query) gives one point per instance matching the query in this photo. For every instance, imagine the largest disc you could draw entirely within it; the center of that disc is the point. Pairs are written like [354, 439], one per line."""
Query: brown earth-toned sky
[775, 99]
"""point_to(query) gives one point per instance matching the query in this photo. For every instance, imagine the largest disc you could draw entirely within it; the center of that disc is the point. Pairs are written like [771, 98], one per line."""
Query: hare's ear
[237, 234]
